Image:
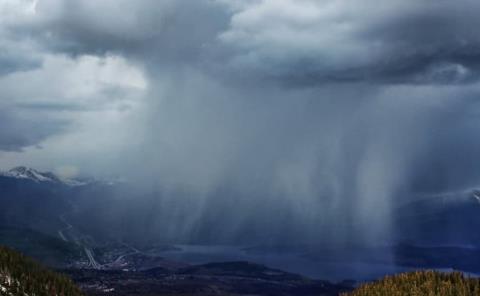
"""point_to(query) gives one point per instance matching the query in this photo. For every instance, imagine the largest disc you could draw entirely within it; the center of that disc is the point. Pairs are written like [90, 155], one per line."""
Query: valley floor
[235, 278]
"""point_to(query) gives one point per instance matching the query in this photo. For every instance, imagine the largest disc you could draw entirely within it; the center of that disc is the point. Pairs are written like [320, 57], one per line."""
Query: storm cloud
[306, 42]
[318, 109]
[18, 132]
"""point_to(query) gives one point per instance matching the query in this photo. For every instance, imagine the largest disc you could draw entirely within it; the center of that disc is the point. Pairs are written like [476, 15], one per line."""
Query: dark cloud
[166, 31]
[18, 131]
[340, 41]
[17, 53]
[308, 43]
[54, 106]
[10, 63]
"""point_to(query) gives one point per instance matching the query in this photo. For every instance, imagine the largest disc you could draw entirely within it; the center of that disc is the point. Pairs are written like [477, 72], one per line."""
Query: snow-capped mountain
[26, 173]
[30, 174]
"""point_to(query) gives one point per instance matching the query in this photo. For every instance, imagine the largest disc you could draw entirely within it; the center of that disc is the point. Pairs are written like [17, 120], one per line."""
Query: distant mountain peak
[22, 172]
[476, 195]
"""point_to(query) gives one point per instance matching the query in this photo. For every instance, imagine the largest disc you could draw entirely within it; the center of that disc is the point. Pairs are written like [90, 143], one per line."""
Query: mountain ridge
[37, 176]
[27, 173]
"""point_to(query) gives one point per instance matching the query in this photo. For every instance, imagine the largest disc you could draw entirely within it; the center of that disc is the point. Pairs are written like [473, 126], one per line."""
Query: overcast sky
[285, 97]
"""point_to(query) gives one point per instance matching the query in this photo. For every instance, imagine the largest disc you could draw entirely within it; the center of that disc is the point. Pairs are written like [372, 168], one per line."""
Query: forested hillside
[22, 276]
[422, 283]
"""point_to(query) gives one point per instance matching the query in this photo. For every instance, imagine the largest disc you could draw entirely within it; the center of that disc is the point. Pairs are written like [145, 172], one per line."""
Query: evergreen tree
[20, 276]
[429, 283]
